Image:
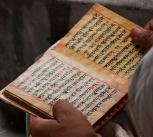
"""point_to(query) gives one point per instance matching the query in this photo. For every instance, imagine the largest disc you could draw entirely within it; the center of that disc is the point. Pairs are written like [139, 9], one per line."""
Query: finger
[149, 25]
[40, 127]
[142, 37]
[38, 122]
[63, 110]
[138, 35]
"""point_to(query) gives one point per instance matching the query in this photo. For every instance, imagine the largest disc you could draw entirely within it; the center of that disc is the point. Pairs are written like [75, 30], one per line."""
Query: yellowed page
[89, 67]
[102, 37]
[56, 77]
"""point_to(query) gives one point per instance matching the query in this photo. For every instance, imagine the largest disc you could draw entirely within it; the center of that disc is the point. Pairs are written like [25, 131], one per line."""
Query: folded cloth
[141, 97]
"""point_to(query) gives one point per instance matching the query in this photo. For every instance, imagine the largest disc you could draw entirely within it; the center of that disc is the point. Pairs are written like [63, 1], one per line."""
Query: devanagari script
[106, 43]
[54, 80]
[90, 67]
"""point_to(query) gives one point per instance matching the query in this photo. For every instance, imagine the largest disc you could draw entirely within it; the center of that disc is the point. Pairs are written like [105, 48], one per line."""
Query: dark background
[27, 29]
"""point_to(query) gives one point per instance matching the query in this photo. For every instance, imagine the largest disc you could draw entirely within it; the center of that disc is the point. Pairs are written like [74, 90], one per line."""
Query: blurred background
[29, 27]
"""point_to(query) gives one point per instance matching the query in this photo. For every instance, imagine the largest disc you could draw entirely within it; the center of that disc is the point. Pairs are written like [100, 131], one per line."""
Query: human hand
[69, 122]
[143, 37]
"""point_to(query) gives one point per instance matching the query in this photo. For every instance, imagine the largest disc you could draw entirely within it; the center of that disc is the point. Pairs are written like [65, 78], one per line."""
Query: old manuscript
[90, 67]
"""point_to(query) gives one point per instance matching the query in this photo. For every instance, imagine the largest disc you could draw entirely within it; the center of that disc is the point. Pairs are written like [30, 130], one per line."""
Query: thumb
[40, 127]
[149, 25]
[64, 111]
[142, 37]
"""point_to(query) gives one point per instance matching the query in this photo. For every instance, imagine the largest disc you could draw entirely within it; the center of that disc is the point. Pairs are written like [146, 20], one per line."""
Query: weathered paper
[57, 77]
[104, 42]
[89, 67]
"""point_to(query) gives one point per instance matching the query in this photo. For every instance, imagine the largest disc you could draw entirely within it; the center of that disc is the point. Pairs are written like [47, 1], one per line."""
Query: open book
[90, 67]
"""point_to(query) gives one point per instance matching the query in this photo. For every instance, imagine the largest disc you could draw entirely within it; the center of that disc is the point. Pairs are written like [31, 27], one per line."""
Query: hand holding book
[90, 67]
[68, 122]
[144, 36]
[140, 36]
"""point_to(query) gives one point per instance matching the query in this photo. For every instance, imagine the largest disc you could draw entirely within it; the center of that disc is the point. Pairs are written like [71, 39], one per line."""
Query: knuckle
[35, 126]
[150, 38]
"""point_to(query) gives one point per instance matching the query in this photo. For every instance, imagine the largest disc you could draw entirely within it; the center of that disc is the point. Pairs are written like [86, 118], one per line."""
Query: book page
[56, 77]
[103, 37]
[89, 67]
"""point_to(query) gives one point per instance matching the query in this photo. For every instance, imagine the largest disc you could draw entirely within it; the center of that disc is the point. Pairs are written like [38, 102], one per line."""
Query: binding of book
[90, 67]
